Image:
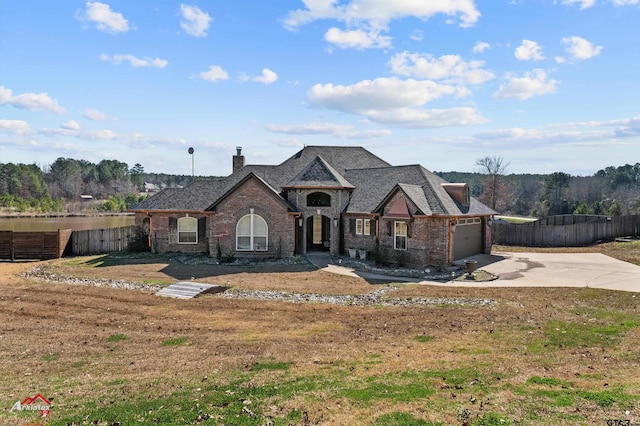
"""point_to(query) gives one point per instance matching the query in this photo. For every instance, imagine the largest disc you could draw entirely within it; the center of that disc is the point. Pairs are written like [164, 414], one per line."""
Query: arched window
[188, 230]
[318, 199]
[251, 233]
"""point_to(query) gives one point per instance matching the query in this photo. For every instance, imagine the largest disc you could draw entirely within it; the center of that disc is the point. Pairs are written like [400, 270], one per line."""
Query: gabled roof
[249, 176]
[422, 187]
[370, 180]
[200, 195]
[319, 174]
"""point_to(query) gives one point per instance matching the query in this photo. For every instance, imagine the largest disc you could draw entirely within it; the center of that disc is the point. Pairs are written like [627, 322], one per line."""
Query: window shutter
[202, 229]
[389, 230]
[352, 226]
[173, 224]
[408, 230]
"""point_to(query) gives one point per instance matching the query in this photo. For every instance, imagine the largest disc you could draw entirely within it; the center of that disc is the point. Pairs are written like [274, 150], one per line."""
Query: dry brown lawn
[79, 344]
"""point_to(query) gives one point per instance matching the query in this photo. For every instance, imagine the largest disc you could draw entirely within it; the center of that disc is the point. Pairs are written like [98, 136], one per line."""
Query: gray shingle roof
[423, 187]
[371, 178]
[319, 174]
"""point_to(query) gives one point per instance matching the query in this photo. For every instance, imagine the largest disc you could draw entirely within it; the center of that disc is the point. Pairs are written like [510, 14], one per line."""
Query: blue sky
[549, 85]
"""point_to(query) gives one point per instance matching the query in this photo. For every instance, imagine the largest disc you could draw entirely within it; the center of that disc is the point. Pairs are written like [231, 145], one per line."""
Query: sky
[548, 85]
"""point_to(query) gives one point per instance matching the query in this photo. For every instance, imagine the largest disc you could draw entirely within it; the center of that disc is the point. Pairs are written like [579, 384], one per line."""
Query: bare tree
[494, 191]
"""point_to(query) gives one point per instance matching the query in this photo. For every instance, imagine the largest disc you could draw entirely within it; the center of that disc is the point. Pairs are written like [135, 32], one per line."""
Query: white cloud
[428, 118]
[381, 93]
[194, 22]
[30, 101]
[449, 68]
[342, 131]
[529, 51]
[481, 46]
[215, 73]
[95, 115]
[584, 4]
[67, 129]
[600, 132]
[394, 101]
[358, 39]
[16, 127]
[267, 77]
[533, 83]
[134, 61]
[416, 35]
[70, 125]
[377, 14]
[309, 128]
[101, 15]
[579, 48]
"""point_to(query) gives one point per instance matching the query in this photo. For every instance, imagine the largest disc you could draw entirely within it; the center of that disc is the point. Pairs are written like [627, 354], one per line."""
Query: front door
[318, 232]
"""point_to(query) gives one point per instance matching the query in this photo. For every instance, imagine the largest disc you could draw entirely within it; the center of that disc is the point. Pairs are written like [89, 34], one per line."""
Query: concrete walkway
[592, 270]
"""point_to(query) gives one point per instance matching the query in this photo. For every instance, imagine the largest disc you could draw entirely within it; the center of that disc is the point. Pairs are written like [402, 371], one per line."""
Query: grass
[178, 341]
[423, 339]
[535, 357]
[117, 338]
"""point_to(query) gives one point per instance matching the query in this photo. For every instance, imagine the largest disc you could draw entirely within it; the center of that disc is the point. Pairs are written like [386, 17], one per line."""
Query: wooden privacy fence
[33, 245]
[567, 233]
[52, 245]
[98, 241]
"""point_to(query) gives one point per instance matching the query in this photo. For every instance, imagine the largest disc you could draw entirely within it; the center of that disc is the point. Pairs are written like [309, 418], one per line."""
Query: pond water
[31, 224]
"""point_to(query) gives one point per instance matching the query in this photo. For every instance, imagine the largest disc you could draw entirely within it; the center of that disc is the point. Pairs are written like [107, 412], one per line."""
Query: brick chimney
[238, 160]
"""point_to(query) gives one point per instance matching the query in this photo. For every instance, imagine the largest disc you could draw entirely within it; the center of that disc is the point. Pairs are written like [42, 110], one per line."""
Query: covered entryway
[318, 232]
[467, 238]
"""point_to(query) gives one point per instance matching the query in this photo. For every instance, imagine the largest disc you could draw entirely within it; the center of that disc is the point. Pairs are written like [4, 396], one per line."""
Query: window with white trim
[400, 236]
[187, 230]
[251, 233]
[363, 226]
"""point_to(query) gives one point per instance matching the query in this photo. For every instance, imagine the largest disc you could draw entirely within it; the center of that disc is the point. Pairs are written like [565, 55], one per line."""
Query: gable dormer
[318, 174]
[460, 193]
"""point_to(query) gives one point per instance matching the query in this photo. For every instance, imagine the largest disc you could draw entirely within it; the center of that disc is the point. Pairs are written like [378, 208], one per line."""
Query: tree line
[60, 185]
[612, 191]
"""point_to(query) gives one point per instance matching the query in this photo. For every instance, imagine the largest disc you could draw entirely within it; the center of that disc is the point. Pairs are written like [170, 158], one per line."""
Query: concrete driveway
[593, 270]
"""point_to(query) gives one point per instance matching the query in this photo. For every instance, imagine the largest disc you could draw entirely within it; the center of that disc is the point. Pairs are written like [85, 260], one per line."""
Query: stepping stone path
[189, 290]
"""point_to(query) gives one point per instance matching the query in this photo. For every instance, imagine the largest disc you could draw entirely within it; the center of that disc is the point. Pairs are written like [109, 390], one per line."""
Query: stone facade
[338, 200]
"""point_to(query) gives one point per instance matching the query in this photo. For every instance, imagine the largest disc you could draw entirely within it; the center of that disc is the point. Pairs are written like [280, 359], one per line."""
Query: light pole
[190, 151]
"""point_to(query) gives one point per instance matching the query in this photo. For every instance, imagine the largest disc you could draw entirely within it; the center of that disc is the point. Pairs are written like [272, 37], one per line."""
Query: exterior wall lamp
[335, 222]
[300, 222]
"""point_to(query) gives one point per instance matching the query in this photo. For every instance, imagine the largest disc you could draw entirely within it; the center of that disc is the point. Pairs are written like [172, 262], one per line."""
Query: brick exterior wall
[352, 240]
[427, 243]
[252, 195]
[164, 236]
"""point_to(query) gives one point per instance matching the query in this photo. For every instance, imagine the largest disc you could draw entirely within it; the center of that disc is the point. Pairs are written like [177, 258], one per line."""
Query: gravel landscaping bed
[374, 298]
